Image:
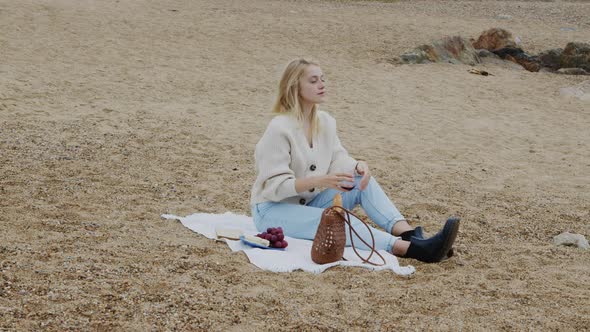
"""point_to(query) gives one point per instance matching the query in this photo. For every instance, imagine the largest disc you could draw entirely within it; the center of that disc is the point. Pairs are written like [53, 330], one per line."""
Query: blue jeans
[301, 221]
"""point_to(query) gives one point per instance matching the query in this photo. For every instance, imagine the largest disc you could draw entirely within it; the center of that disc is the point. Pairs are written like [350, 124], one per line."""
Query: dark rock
[506, 51]
[517, 55]
[551, 58]
[576, 55]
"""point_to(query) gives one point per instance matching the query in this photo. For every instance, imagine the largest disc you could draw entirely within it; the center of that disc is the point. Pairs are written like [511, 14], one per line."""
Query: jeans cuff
[391, 243]
[392, 223]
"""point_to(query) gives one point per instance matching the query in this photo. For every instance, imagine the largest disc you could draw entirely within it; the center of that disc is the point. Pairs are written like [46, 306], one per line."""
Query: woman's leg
[377, 205]
[302, 221]
[325, 199]
[384, 213]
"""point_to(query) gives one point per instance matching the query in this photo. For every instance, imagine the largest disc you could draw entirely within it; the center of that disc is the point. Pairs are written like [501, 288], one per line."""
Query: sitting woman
[301, 165]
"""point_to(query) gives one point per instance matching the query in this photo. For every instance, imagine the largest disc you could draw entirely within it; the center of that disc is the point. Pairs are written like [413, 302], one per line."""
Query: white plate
[256, 245]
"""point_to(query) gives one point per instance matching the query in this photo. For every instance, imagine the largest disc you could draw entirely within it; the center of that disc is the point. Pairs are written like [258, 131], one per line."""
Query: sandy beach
[115, 112]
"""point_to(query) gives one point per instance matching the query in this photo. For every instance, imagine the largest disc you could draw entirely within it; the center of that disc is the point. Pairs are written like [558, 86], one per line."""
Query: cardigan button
[302, 201]
[312, 168]
[311, 190]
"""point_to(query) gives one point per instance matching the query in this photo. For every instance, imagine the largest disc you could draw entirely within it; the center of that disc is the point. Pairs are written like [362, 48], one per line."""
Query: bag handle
[372, 246]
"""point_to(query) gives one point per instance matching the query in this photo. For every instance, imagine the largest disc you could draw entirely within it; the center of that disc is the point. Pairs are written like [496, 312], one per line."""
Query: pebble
[572, 71]
[580, 91]
[571, 239]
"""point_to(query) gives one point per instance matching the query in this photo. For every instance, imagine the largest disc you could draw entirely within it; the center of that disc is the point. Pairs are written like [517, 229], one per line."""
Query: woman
[301, 166]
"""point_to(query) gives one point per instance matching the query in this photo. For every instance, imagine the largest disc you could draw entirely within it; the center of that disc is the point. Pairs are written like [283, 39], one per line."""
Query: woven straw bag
[330, 238]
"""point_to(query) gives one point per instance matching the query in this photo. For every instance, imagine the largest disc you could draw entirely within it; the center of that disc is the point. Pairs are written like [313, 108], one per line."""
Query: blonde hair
[289, 100]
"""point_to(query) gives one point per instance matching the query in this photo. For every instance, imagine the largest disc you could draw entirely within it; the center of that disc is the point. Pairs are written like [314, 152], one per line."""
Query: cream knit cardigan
[283, 155]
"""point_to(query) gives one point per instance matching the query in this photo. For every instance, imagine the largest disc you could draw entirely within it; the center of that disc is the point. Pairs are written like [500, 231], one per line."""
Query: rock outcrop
[574, 59]
[494, 39]
[450, 49]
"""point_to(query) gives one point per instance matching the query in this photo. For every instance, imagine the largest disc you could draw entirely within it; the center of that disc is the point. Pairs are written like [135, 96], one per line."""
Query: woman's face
[312, 87]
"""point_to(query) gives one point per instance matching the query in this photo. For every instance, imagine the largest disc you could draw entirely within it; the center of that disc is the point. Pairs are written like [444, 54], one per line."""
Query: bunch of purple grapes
[275, 236]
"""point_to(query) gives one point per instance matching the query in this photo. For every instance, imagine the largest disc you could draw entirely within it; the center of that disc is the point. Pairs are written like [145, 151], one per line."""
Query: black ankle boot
[418, 232]
[435, 248]
[407, 235]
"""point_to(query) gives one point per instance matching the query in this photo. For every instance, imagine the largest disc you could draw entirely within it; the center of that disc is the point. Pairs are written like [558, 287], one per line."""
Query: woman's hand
[332, 181]
[362, 168]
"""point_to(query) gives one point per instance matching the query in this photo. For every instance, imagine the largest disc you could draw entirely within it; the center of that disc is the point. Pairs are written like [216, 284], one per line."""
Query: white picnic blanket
[296, 256]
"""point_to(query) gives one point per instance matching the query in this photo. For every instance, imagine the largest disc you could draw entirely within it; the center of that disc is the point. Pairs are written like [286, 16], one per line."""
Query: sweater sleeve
[341, 161]
[273, 157]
